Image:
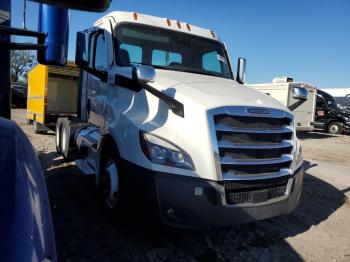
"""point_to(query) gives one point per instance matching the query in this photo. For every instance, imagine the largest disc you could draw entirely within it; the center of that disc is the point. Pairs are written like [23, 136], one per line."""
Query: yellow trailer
[52, 93]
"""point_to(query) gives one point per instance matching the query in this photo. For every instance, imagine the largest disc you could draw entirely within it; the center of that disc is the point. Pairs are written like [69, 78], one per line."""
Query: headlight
[298, 154]
[162, 152]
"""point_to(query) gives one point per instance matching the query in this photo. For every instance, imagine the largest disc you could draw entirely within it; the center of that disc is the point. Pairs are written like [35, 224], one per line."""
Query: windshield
[170, 50]
[329, 99]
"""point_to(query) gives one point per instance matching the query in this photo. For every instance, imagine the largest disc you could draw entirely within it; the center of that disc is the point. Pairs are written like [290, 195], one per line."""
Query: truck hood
[210, 91]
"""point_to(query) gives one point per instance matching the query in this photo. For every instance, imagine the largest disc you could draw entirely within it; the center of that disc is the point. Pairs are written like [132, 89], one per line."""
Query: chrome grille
[253, 150]
[254, 145]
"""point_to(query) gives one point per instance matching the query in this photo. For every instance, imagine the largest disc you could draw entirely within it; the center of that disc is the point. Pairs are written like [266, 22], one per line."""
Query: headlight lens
[162, 152]
[298, 153]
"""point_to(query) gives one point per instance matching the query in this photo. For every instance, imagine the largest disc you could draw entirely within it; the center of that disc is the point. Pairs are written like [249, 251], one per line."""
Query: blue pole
[54, 21]
[5, 81]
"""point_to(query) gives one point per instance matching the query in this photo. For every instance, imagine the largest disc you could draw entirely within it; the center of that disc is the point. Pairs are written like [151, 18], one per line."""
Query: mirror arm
[296, 105]
[100, 74]
[176, 107]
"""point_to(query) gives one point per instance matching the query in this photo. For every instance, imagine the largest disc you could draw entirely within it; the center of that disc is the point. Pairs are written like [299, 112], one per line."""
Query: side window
[165, 58]
[320, 102]
[132, 53]
[100, 53]
[210, 62]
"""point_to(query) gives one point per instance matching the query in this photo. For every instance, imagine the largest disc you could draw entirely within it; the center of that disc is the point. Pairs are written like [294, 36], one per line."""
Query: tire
[335, 128]
[68, 149]
[109, 179]
[65, 140]
[58, 134]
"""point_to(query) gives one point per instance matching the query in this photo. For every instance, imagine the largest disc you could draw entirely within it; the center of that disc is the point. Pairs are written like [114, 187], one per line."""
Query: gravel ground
[318, 230]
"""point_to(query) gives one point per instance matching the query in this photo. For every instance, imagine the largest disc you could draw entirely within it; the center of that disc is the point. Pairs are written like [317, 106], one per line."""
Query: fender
[338, 118]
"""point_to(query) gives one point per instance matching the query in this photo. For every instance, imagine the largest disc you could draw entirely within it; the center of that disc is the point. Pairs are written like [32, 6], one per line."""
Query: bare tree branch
[21, 62]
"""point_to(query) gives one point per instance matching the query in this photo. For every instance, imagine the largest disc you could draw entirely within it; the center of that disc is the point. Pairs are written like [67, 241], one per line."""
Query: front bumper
[197, 203]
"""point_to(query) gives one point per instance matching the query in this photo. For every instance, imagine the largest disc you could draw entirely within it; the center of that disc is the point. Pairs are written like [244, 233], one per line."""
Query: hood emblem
[258, 110]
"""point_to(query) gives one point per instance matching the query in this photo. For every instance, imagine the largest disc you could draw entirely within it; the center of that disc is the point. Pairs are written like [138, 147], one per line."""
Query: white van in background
[281, 89]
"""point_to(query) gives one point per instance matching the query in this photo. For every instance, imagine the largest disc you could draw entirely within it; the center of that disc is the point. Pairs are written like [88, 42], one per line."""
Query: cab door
[97, 82]
[320, 112]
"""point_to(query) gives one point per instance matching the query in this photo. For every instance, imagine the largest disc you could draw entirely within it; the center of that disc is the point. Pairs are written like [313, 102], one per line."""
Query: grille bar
[231, 176]
[226, 160]
[228, 144]
[226, 128]
[253, 122]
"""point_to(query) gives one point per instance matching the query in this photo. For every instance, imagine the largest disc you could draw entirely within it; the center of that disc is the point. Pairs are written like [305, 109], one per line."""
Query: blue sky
[307, 40]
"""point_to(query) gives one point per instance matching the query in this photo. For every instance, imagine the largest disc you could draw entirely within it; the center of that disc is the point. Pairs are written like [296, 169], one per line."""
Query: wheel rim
[110, 184]
[64, 140]
[334, 129]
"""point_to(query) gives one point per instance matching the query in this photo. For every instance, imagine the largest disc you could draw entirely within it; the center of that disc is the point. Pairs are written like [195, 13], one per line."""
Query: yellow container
[52, 93]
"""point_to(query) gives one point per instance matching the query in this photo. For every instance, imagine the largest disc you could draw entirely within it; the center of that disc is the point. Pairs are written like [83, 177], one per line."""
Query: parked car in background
[19, 95]
[329, 116]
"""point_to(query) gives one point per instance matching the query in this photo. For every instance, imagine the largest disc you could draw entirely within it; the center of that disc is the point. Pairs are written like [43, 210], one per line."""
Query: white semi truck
[163, 123]
[281, 89]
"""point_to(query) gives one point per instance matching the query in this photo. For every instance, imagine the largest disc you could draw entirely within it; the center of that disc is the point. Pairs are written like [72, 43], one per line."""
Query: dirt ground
[318, 230]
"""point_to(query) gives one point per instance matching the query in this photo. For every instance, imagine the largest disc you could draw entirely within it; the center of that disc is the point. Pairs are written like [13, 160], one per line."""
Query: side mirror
[300, 93]
[241, 70]
[82, 50]
[143, 73]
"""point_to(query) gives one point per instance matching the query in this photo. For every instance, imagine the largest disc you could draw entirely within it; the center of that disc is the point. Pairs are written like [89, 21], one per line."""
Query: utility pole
[24, 13]
[5, 81]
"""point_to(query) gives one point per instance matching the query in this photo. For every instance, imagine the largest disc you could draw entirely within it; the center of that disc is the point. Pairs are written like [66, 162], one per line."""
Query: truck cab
[329, 116]
[282, 89]
[163, 123]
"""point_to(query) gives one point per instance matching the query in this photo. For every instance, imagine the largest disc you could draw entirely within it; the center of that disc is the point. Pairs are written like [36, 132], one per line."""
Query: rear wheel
[335, 128]
[66, 138]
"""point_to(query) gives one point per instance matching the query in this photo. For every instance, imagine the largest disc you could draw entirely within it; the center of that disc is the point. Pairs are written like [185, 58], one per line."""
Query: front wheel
[335, 128]
[109, 180]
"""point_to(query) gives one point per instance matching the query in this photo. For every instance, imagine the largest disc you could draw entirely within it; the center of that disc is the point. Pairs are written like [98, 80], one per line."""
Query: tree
[21, 62]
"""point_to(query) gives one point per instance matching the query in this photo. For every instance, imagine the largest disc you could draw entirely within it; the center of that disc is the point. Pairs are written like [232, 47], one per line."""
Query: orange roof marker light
[135, 16]
[188, 27]
[212, 33]
[168, 22]
[178, 24]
